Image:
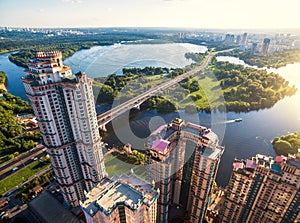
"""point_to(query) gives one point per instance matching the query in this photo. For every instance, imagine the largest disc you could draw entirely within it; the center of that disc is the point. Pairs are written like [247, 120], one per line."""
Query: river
[242, 139]
[100, 61]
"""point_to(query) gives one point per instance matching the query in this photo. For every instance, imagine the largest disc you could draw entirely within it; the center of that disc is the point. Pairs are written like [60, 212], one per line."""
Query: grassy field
[209, 93]
[115, 166]
[21, 175]
[210, 90]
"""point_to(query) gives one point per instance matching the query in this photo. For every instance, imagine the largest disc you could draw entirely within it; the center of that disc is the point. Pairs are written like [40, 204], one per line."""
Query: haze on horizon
[219, 14]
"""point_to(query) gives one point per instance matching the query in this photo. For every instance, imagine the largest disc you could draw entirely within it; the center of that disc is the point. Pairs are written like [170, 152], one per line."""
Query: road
[119, 109]
[16, 206]
[22, 161]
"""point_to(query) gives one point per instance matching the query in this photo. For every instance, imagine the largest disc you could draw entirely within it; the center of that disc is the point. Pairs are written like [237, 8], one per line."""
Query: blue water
[14, 74]
[100, 61]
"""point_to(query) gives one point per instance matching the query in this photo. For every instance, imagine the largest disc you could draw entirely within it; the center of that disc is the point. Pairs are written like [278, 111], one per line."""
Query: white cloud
[72, 1]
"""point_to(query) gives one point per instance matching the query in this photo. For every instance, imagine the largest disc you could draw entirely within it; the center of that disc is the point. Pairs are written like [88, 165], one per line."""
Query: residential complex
[122, 199]
[184, 160]
[63, 104]
[262, 189]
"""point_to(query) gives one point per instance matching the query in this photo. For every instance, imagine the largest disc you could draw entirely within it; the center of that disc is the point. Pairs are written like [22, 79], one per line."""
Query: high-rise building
[229, 39]
[122, 199]
[244, 41]
[254, 48]
[63, 104]
[184, 162]
[238, 39]
[265, 46]
[262, 189]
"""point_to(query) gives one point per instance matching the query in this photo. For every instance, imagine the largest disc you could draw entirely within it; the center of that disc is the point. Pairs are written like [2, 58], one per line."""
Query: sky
[223, 14]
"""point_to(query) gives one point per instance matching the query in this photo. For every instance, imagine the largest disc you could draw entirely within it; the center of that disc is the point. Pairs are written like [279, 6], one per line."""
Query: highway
[6, 169]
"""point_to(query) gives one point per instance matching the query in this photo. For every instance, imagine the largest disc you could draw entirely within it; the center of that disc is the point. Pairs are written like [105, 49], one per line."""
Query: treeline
[2, 77]
[248, 89]
[275, 60]
[15, 40]
[12, 139]
[147, 71]
[287, 144]
[197, 57]
[162, 105]
[111, 86]
[68, 49]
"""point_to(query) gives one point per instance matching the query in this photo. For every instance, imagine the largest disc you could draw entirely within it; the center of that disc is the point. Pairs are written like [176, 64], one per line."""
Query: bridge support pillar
[102, 128]
[137, 106]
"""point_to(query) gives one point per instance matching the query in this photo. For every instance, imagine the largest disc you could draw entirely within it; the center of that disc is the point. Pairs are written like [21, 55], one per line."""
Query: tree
[283, 147]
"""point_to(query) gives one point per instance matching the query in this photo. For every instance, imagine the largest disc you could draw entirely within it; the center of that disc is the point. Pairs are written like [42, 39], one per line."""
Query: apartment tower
[63, 104]
[262, 189]
[184, 159]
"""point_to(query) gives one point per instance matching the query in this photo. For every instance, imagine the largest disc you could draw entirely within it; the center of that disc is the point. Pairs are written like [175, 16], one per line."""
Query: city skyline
[231, 14]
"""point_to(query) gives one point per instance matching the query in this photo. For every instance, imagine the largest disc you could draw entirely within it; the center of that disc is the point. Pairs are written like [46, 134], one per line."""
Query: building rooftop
[213, 153]
[150, 194]
[54, 53]
[120, 193]
[268, 162]
[159, 139]
[128, 190]
[160, 145]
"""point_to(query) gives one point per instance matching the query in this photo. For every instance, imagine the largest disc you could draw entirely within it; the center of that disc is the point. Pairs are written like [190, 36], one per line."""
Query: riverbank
[3, 87]
[3, 80]
[275, 60]
[21, 57]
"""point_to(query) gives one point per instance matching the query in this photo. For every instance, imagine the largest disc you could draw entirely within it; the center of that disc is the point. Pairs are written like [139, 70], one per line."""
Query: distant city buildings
[122, 199]
[63, 104]
[262, 189]
[229, 39]
[184, 162]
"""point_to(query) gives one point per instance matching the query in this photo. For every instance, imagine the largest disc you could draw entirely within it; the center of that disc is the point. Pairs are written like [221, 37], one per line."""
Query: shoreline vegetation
[13, 140]
[239, 88]
[275, 60]
[287, 144]
[3, 80]
[21, 57]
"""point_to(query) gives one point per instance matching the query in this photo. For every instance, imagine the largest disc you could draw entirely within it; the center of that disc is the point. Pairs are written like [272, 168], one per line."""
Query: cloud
[72, 1]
